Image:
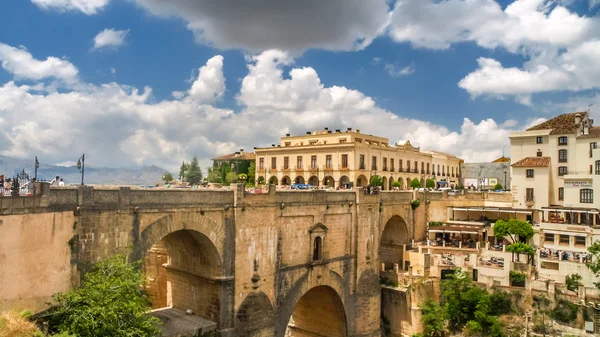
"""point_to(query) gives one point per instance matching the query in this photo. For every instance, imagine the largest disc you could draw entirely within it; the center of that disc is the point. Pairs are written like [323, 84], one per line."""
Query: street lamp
[505, 181]
[37, 165]
[81, 166]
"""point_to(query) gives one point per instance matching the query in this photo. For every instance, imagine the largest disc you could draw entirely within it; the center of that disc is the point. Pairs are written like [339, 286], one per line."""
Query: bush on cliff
[109, 303]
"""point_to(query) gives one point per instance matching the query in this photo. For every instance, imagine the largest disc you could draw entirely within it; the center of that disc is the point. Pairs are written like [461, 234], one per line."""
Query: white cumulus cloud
[89, 7]
[110, 39]
[118, 125]
[20, 63]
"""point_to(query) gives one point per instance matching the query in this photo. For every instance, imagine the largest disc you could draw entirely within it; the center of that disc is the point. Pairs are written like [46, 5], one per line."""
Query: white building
[556, 167]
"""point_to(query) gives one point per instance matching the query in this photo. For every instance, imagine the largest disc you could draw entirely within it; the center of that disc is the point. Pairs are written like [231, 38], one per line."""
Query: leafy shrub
[376, 180]
[500, 303]
[573, 281]
[517, 279]
[564, 311]
[109, 303]
[396, 184]
[497, 187]
[415, 203]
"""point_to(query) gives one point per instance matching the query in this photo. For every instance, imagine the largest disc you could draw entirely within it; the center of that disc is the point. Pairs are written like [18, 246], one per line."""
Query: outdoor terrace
[487, 215]
[589, 217]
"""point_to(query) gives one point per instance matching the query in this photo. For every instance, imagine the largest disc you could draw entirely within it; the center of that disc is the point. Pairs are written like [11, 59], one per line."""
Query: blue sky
[65, 89]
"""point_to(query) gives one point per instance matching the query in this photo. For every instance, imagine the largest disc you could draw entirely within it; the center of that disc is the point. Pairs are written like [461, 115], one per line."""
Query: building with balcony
[349, 159]
[556, 170]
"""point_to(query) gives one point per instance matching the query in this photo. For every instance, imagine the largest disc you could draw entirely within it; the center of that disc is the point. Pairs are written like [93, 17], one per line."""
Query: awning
[465, 232]
[565, 233]
[451, 231]
[520, 212]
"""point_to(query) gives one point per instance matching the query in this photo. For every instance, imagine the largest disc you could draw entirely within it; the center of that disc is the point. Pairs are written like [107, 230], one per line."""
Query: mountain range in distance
[146, 175]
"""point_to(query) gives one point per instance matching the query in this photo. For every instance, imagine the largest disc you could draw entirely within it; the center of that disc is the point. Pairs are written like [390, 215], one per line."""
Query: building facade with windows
[556, 171]
[349, 159]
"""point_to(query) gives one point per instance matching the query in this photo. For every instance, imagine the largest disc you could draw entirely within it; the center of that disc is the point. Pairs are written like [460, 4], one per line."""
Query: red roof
[236, 156]
[560, 124]
[533, 162]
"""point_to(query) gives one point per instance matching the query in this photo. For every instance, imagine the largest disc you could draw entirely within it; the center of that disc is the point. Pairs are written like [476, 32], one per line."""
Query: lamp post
[505, 181]
[37, 165]
[81, 166]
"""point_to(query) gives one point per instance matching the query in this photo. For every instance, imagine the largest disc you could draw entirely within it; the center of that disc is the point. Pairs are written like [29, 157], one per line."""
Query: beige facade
[335, 158]
[556, 171]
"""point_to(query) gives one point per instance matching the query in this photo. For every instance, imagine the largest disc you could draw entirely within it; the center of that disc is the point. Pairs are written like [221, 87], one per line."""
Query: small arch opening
[318, 249]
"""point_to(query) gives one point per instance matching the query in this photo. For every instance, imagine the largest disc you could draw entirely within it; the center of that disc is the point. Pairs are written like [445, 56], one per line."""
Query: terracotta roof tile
[533, 162]
[236, 156]
[560, 124]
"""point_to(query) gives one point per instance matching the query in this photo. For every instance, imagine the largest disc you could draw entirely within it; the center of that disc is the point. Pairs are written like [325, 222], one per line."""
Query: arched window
[586, 195]
[317, 249]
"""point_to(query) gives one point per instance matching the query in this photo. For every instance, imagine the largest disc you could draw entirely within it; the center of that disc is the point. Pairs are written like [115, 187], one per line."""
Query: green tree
[497, 187]
[594, 264]
[252, 172]
[231, 177]
[573, 282]
[467, 307]
[415, 183]
[109, 303]
[516, 230]
[376, 180]
[261, 180]
[432, 317]
[214, 175]
[183, 171]
[167, 177]
[194, 174]
[242, 177]
[430, 183]
[396, 184]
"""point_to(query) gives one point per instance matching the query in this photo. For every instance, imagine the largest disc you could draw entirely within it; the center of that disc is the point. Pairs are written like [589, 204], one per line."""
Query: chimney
[326, 129]
[273, 145]
[287, 134]
[337, 130]
[242, 151]
[255, 147]
[577, 119]
[329, 131]
[237, 153]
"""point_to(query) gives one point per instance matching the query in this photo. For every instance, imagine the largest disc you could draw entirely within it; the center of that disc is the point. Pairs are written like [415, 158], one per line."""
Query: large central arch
[184, 267]
[392, 243]
[318, 313]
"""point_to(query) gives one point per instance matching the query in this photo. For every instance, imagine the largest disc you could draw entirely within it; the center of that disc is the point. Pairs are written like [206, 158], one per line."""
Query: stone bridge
[283, 263]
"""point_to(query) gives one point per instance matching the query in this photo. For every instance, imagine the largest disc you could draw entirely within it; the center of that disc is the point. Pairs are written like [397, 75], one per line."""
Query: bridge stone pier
[283, 263]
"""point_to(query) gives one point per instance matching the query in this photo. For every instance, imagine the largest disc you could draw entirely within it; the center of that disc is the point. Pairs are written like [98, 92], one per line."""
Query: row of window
[564, 239]
[563, 140]
[300, 162]
[329, 165]
[586, 195]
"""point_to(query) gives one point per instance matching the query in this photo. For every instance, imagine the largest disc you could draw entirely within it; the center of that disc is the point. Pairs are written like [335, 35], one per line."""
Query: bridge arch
[393, 239]
[184, 265]
[315, 306]
[255, 316]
